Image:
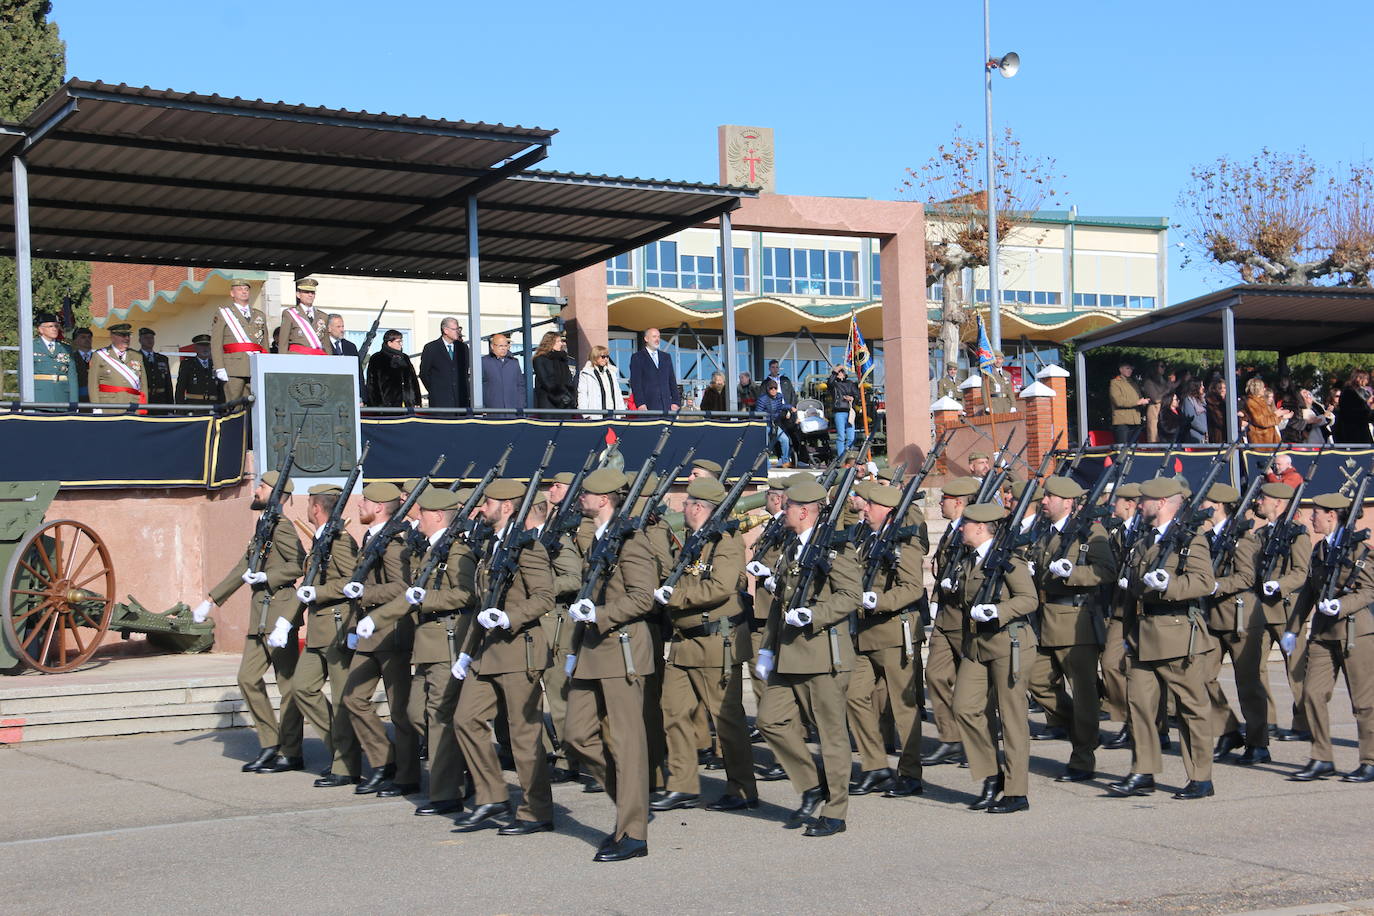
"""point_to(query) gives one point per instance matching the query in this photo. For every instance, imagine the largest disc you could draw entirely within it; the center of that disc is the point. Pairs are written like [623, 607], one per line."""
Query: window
[980, 296]
[936, 293]
[1115, 302]
[660, 265]
[620, 270]
[1141, 302]
[1085, 300]
[808, 271]
[875, 274]
[698, 272]
[1046, 298]
[777, 270]
[843, 272]
[741, 267]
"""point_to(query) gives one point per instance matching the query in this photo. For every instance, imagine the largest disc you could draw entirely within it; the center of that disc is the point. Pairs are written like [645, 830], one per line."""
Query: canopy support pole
[1080, 371]
[23, 276]
[727, 288]
[475, 300]
[1228, 346]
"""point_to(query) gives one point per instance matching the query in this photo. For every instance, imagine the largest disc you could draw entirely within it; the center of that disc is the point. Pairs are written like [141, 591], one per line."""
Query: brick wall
[118, 285]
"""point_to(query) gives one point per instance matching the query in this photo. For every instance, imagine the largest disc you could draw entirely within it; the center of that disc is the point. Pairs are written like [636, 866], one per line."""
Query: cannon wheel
[58, 596]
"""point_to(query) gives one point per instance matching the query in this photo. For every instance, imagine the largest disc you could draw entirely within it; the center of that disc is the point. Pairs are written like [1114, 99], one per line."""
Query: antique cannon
[57, 595]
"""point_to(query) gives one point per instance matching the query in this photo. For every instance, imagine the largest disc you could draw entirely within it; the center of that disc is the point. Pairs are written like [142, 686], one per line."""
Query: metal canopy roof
[117, 173]
[1285, 319]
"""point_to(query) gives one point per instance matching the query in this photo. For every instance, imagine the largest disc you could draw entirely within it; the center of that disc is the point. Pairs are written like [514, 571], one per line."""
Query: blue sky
[1125, 96]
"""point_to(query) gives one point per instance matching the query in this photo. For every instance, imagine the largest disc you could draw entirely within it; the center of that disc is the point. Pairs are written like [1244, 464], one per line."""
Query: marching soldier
[116, 375]
[887, 646]
[808, 663]
[703, 663]
[55, 378]
[567, 579]
[237, 330]
[607, 669]
[761, 569]
[196, 382]
[156, 368]
[1167, 644]
[273, 599]
[979, 465]
[660, 540]
[1276, 597]
[998, 646]
[945, 652]
[1341, 639]
[506, 657]
[1072, 625]
[704, 467]
[303, 327]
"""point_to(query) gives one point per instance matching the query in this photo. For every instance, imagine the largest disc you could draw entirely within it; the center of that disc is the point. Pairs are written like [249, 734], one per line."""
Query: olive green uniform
[1235, 623]
[558, 628]
[945, 651]
[102, 373]
[1291, 573]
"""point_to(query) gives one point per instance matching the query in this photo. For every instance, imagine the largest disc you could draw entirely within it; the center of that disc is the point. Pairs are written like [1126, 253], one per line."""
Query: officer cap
[1161, 488]
[201, 339]
[1277, 490]
[505, 488]
[706, 464]
[44, 318]
[1018, 489]
[239, 281]
[1065, 487]
[951, 365]
[124, 329]
[961, 486]
[807, 491]
[706, 490]
[1223, 493]
[142, 331]
[410, 485]
[974, 456]
[984, 512]
[308, 285]
[1332, 501]
[270, 478]
[563, 477]
[326, 489]
[884, 496]
[438, 498]
[381, 491]
[604, 480]
[1129, 491]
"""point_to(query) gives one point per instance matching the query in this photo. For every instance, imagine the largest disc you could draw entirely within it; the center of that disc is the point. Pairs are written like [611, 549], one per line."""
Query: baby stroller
[812, 433]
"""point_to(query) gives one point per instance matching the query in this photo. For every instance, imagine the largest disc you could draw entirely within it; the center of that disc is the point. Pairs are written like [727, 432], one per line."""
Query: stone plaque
[313, 398]
[746, 157]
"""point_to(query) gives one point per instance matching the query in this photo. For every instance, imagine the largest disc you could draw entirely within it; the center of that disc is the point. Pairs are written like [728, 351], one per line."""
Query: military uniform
[997, 388]
[1290, 572]
[660, 540]
[158, 372]
[116, 377]
[302, 331]
[1125, 397]
[567, 578]
[234, 334]
[55, 378]
[196, 382]
[947, 387]
[1113, 661]
[945, 651]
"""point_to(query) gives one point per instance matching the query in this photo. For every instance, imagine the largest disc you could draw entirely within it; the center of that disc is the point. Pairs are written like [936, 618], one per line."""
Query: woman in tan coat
[1259, 412]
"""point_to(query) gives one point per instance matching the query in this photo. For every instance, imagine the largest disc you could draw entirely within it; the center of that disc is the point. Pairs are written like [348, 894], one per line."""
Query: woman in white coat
[598, 384]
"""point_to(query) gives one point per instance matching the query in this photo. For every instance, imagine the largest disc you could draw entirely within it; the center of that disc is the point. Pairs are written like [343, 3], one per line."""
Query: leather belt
[1077, 599]
[710, 629]
[50, 378]
[432, 616]
[1164, 610]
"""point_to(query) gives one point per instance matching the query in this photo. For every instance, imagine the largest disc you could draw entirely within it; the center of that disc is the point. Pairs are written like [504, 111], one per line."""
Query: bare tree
[953, 187]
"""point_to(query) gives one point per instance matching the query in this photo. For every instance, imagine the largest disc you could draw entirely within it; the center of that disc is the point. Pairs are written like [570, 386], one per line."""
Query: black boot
[1120, 740]
[260, 761]
[1315, 769]
[379, 777]
[810, 802]
[947, 752]
[1226, 744]
[992, 787]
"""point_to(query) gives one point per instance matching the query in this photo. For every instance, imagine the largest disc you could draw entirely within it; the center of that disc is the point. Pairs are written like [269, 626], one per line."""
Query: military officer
[948, 384]
[1120, 534]
[659, 538]
[156, 369]
[196, 382]
[506, 655]
[117, 372]
[81, 346]
[567, 579]
[303, 327]
[979, 465]
[55, 378]
[236, 331]
[1341, 639]
[1276, 596]
[808, 662]
[997, 388]
[273, 600]
[703, 662]
[998, 647]
[887, 641]
[1167, 644]
[945, 652]
[1128, 404]
[704, 467]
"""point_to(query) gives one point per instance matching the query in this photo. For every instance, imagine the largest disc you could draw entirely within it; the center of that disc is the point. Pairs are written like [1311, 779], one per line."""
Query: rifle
[376, 545]
[718, 523]
[271, 513]
[505, 559]
[993, 479]
[1280, 541]
[367, 341]
[1345, 542]
[475, 531]
[323, 547]
[725, 471]
[1224, 550]
[569, 514]
[1041, 523]
[1067, 468]
[458, 481]
[653, 506]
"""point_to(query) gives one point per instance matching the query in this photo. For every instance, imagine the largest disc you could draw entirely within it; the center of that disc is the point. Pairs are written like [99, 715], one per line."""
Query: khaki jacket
[1354, 604]
[1233, 606]
[985, 642]
[811, 649]
[707, 594]
[1291, 573]
[102, 373]
[330, 618]
[522, 647]
[947, 387]
[900, 587]
[255, 326]
[949, 617]
[623, 600]
[438, 616]
[1125, 394]
[284, 564]
[1071, 606]
[288, 332]
[387, 580]
[1159, 625]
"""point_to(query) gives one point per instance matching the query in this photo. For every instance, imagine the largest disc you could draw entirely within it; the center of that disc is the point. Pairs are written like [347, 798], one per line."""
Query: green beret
[807, 491]
[563, 477]
[1129, 491]
[380, 491]
[791, 480]
[540, 499]
[436, 499]
[888, 473]
[464, 494]
[1065, 487]
[984, 512]
[1332, 501]
[308, 285]
[1018, 487]
[706, 464]
[239, 281]
[861, 489]
[974, 456]
[604, 480]
[505, 488]
[779, 483]
[326, 489]
[1223, 493]
[124, 328]
[270, 478]
[410, 485]
[706, 489]
[1161, 488]
[1184, 487]
[961, 487]
[201, 339]
[1277, 490]
[884, 496]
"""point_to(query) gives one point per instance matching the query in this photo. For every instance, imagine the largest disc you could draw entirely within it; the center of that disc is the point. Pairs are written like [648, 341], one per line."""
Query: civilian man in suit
[337, 344]
[156, 368]
[444, 367]
[652, 379]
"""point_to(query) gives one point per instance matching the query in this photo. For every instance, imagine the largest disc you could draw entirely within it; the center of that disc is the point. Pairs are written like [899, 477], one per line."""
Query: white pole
[994, 293]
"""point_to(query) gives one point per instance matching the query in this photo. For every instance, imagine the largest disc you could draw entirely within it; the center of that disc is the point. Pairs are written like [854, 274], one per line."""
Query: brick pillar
[1058, 380]
[585, 312]
[906, 340]
[946, 417]
[972, 387]
[1038, 406]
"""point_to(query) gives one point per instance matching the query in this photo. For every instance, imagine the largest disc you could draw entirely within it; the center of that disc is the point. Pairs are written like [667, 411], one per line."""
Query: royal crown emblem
[309, 392]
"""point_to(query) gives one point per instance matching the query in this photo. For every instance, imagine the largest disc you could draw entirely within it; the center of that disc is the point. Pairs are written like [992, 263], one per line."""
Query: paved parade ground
[167, 824]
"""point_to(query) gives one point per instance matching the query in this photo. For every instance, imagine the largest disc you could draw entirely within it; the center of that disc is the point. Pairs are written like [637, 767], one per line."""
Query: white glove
[764, 666]
[306, 593]
[570, 665]
[1329, 606]
[200, 612]
[415, 595]
[221, 375]
[582, 610]
[1288, 642]
[1123, 582]
[1157, 579]
[1061, 568]
[492, 618]
[1215, 586]
[460, 667]
[353, 590]
[771, 584]
[663, 594]
[277, 638]
[983, 612]
[870, 600]
[758, 570]
[946, 585]
[366, 627]
[352, 641]
[1030, 565]
[254, 578]
[798, 617]
[1271, 588]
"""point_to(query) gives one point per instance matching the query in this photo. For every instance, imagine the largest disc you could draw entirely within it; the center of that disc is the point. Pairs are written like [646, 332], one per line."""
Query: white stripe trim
[306, 329]
[129, 375]
[235, 326]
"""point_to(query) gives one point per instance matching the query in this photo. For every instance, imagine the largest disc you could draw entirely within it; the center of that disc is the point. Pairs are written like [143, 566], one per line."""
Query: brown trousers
[618, 758]
[684, 691]
[236, 388]
[258, 656]
[1186, 679]
[327, 716]
[446, 766]
[1245, 650]
[393, 670]
[902, 679]
[477, 706]
[1076, 666]
[978, 686]
[943, 659]
[1324, 659]
[1114, 672]
[821, 697]
[556, 681]
[1295, 666]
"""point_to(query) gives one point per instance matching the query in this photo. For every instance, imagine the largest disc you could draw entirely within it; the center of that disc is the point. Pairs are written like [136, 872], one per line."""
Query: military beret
[142, 331]
[326, 489]
[1184, 487]
[791, 480]
[1065, 487]
[1277, 490]
[464, 494]
[951, 365]
[1334, 502]
[649, 482]
[125, 329]
[604, 480]
[1161, 488]
[239, 281]
[309, 284]
[706, 464]
[505, 488]
[563, 477]
[540, 499]
[779, 483]
[984, 512]
[201, 339]
[381, 491]
[1018, 488]
[706, 489]
[888, 473]
[410, 485]
[861, 488]
[884, 496]
[1129, 491]
[961, 487]
[1223, 493]
[435, 499]
[44, 318]
[807, 491]
[270, 478]
[974, 456]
